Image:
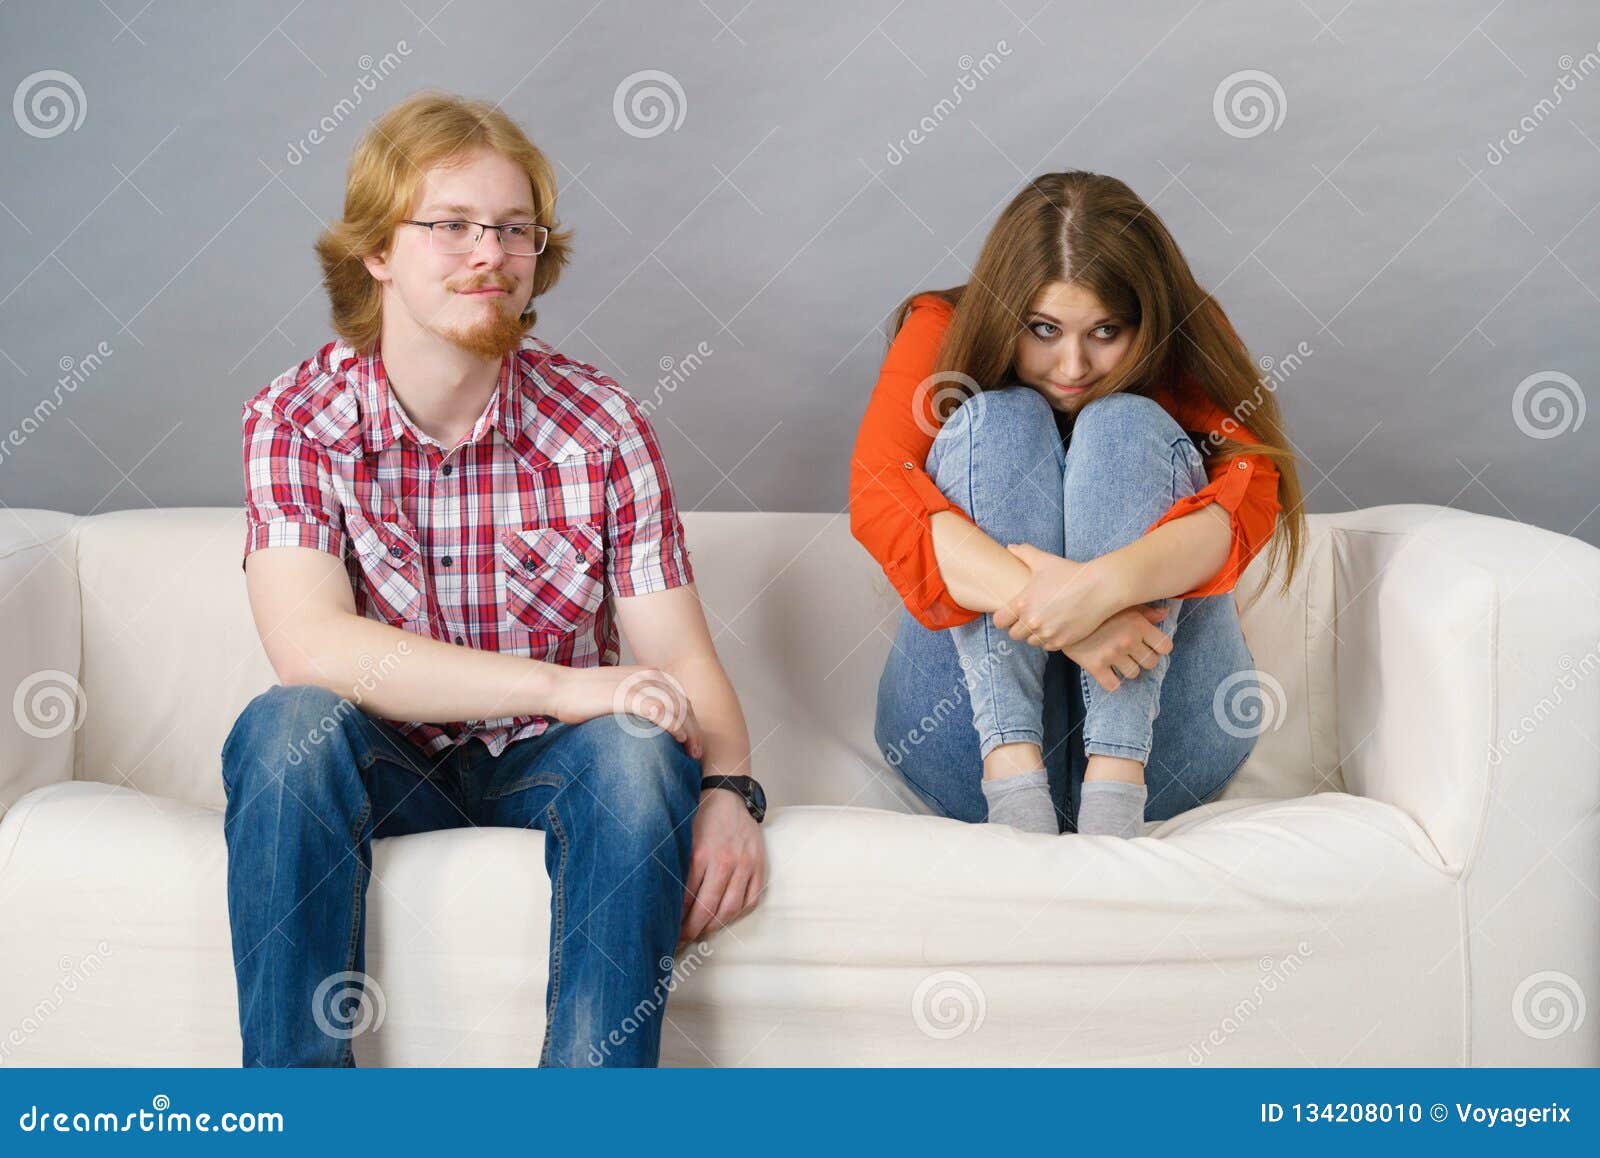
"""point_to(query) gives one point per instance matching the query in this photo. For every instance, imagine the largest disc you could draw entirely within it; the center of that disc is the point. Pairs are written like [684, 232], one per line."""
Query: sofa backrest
[802, 618]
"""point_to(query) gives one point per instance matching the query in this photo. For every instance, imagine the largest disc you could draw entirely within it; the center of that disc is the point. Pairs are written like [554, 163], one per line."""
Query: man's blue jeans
[947, 698]
[312, 779]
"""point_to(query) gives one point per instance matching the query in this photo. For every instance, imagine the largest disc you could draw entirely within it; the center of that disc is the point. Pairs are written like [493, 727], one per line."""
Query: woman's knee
[1009, 416]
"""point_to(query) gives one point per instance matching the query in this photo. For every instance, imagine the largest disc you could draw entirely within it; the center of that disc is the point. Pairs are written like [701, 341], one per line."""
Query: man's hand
[1123, 646]
[727, 864]
[1062, 602]
[584, 693]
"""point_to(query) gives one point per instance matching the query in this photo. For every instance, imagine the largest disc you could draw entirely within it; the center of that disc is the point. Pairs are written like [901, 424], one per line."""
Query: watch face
[757, 795]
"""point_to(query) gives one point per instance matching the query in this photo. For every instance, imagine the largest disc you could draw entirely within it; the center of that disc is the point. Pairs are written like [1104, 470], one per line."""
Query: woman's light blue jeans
[947, 698]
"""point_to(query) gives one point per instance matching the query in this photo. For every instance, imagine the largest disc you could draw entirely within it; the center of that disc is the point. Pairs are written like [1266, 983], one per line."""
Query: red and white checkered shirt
[510, 542]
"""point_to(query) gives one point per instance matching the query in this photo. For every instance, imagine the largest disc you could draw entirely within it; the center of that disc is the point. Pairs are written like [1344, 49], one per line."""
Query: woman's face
[1068, 343]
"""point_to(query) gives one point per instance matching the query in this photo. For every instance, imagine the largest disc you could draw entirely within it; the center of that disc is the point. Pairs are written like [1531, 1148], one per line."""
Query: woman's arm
[980, 574]
[1173, 558]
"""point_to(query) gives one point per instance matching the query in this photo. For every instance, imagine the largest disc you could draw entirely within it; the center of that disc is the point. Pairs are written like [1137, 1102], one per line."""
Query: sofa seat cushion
[1317, 930]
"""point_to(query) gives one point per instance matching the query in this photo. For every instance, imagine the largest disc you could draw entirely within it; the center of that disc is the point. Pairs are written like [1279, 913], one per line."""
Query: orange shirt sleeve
[1246, 486]
[892, 498]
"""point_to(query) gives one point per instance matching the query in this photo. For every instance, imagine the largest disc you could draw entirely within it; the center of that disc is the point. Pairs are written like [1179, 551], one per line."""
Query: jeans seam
[353, 945]
[558, 923]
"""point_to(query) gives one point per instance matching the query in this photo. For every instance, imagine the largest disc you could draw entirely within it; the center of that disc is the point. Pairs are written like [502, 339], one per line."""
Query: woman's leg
[1155, 745]
[966, 705]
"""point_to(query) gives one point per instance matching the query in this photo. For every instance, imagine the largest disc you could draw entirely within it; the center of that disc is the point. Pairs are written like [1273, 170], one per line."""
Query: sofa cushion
[1313, 931]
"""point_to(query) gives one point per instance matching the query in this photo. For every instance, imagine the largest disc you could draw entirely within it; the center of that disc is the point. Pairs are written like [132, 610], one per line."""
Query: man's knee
[288, 728]
[641, 774]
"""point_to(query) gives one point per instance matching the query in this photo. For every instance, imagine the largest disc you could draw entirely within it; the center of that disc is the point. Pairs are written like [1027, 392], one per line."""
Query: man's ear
[378, 266]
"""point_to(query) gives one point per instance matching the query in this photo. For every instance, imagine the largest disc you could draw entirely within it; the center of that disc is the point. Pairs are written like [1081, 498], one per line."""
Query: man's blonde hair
[421, 133]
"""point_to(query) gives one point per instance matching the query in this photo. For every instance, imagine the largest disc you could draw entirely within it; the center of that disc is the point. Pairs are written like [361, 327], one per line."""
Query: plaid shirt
[510, 542]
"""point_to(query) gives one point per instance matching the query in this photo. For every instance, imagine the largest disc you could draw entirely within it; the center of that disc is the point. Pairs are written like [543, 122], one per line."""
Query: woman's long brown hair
[1092, 231]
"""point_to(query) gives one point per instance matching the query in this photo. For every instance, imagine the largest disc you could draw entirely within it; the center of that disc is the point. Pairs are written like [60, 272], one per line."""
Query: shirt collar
[386, 422]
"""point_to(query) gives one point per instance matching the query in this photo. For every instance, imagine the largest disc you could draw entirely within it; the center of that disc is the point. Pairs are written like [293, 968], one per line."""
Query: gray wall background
[170, 216]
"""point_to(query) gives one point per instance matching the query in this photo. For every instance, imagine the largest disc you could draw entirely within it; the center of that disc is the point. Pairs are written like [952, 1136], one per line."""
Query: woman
[1064, 469]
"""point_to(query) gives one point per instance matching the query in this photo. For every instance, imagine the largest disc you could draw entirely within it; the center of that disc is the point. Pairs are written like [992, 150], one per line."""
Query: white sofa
[1406, 872]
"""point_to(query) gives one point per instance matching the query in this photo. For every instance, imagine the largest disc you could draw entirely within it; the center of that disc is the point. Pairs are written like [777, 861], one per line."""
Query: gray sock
[1111, 808]
[1022, 802]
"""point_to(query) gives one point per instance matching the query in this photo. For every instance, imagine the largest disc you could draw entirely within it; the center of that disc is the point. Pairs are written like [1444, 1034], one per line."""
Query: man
[448, 522]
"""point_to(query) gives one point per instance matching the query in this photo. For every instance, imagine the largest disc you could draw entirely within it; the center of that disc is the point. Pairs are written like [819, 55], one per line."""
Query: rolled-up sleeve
[645, 547]
[289, 498]
[892, 497]
[1246, 486]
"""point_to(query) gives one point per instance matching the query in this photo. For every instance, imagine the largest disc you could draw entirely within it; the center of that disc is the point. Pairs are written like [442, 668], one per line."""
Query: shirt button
[448, 468]
[445, 560]
[458, 639]
[1243, 465]
[396, 552]
[908, 466]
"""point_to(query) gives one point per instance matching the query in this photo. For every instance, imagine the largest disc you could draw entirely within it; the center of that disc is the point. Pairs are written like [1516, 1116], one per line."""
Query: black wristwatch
[747, 788]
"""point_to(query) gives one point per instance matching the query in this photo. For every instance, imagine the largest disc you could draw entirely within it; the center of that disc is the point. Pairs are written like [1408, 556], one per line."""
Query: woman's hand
[1123, 646]
[1062, 603]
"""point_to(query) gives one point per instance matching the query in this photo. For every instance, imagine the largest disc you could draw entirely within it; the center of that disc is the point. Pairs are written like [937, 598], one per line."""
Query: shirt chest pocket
[388, 564]
[554, 577]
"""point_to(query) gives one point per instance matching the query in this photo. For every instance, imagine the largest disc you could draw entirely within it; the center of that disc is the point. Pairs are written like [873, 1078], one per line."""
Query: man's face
[472, 300]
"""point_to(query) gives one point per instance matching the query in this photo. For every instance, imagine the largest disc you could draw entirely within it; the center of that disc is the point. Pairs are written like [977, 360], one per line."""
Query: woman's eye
[1107, 332]
[1044, 331]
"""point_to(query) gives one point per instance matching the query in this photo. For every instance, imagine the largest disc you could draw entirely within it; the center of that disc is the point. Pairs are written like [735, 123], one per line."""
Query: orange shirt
[892, 498]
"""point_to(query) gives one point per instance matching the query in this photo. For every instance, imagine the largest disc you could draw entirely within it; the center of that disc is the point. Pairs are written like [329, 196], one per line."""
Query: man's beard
[493, 337]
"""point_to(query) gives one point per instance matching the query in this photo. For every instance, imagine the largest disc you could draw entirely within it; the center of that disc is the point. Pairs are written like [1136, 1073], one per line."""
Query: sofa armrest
[1468, 691]
[41, 703]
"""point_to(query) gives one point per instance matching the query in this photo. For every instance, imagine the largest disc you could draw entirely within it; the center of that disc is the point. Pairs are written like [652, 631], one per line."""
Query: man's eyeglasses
[517, 239]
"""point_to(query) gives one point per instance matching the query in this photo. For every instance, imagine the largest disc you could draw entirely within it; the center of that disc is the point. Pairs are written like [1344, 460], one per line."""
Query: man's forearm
[400, 676]
[716, 707]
